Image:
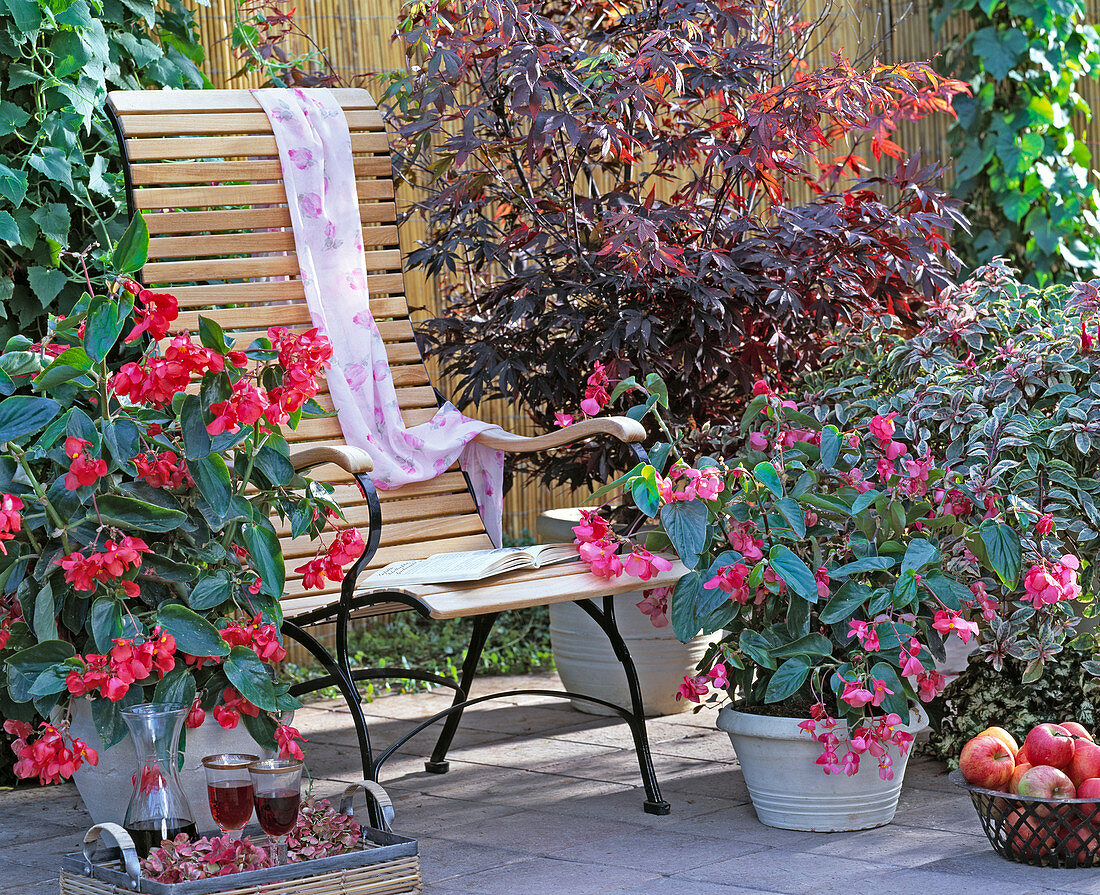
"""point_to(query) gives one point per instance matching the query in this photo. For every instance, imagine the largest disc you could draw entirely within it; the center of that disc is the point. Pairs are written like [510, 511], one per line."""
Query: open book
[471, 565]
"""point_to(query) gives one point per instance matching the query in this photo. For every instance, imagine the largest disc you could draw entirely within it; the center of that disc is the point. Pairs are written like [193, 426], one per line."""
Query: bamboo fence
[356, 36]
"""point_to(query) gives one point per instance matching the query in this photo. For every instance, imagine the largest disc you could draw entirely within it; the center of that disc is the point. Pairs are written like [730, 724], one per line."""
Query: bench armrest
[350, 459]
[620, 427]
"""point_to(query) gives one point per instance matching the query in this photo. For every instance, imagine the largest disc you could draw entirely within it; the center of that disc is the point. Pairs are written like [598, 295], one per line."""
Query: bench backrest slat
[204, 169]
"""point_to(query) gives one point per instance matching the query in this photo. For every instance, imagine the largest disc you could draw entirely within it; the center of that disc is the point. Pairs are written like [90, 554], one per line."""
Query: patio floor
[543, 799]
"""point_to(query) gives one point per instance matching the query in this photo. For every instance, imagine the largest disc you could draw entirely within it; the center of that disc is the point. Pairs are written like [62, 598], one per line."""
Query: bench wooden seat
[203, 168]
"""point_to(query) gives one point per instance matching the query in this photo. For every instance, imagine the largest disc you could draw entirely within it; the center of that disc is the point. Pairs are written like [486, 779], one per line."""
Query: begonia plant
[140, 473]
[836, 561]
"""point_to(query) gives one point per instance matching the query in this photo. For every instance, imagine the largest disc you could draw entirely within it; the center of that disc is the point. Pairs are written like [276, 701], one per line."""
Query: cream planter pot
[789, 791]
[106, 788]
[584, 658]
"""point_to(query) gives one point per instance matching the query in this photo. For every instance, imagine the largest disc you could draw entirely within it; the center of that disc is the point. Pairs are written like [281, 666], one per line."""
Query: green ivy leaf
[999, 50]
[46, 283]
[13, 184]
[54, 165]
[9, 230]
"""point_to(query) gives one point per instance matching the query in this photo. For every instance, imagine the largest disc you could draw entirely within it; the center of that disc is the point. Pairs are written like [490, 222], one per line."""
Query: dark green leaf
[178, 687]
[867, 564]
[792, 512]
[106, 622]
[274, 466]
[132, 249]
[251, 677]
[812, 645]
[841, 606]
[1002, 546]
[211, 591]
[106, 318]
[918, 554]
[129, 512]
[193, 633]
[754, 645]
[23, 415]
[72, 363]
[684, 606]
[830, 446]
[31, 672]
[261, 728]
[267, 556]
[107, 716]
[211, 335]
[787, 680]
[797, 575]
[685, 522]
[196, 437]
[950, 592]
[45, 614]
[765, 473]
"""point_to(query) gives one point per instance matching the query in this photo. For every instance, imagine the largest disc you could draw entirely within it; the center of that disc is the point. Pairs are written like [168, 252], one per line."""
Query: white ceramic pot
[789, 791]
[584, 658]
[106, 788]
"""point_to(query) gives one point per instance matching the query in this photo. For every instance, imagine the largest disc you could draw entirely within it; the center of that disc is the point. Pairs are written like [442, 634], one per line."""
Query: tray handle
[373, 791]
[125, 844]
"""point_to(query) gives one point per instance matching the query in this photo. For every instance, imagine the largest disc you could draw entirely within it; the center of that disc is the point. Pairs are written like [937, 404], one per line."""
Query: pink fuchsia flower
[948, 620]
[882, 427]
[643, 564]
[758, 441]
[930, 684]
[731, 580]
[1045, 525]
[855, 694]
[602, 558]
[655, 605]
[564, 419]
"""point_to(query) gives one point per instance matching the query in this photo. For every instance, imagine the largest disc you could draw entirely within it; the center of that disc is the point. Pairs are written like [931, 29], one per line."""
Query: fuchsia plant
[837, 561]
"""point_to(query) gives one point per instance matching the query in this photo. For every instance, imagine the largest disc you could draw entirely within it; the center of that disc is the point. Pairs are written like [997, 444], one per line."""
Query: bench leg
[347, 689]
[483, 624]
[654, 804]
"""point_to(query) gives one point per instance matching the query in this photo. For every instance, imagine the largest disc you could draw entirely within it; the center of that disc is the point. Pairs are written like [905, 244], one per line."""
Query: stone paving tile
[544, 876]
[442, 860]
[656, 850]
[793, 872]
[677, 885]
[537, 832]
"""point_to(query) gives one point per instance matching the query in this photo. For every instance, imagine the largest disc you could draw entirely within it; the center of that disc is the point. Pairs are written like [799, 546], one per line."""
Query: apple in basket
[1089, 811]
[1045, 782]
[986, 762]
[1004, 736]
[1049, 744]
[1017, 773]
[1076, 730]
[1085, 763]
[1027, 836]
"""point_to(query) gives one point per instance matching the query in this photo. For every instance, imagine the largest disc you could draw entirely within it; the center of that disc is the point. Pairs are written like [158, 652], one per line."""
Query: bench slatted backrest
[204, 170]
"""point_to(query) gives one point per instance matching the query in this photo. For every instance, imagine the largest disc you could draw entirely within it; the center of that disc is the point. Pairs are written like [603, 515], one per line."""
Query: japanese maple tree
[620, 182]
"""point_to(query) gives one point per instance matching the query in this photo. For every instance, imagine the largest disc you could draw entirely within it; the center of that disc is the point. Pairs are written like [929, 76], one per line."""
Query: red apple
[1022, 757]
[1026, 834]
[1045, 782]
[1004, 736]
[1085, 763]
[1017, 773]
[1049, 744]
[1089, 789]
[986, 762]
[1077, 731]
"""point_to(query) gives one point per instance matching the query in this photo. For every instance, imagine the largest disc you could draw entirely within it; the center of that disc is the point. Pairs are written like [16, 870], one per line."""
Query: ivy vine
[60, 179]
[1021, 163]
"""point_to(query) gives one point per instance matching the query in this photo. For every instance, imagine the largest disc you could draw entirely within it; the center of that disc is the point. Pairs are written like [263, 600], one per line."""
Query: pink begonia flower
[718, 676]
[880, 690]
[668, 492]
[821, 576]
[894, 450]
[643, 564]
[882, 427]
[760, 387]
[758, 441]
[655, 605]
[855, 694]
[885, 469]
[742, 540]
[909, 659]
[850, 764]
[590, 406]
[988, 603]
[731, 580]
[930, 684]
[1045, 587]
[1045, 525]
[811, 518]
[602, 558]
[592, 527]
[917, 471]
[867, 634]
[948, 620]
[692, 688]
[564, 419]
[706, 484]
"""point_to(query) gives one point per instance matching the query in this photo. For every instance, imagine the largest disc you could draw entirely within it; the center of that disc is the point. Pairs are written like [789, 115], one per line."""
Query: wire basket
[1043, 832]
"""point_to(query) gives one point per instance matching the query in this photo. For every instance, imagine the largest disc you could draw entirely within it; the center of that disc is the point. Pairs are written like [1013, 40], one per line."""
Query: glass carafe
[158, 809]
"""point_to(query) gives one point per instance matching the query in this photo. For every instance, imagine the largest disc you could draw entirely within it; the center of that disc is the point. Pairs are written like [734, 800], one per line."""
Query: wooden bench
[202, 167]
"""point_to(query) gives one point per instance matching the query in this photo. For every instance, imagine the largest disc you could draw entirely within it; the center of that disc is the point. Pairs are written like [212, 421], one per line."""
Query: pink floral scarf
[315, 151]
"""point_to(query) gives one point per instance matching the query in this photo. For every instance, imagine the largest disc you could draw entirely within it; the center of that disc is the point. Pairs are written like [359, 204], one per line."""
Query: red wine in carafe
[277, 811]
[149, 834]
[230, 804]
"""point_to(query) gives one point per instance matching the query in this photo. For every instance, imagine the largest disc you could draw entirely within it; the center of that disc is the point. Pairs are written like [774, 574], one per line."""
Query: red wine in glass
[230, 804]
[277, 811]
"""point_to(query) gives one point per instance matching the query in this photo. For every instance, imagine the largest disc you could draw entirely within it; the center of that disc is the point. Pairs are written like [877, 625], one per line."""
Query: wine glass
[277, 792]
[229, 788]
